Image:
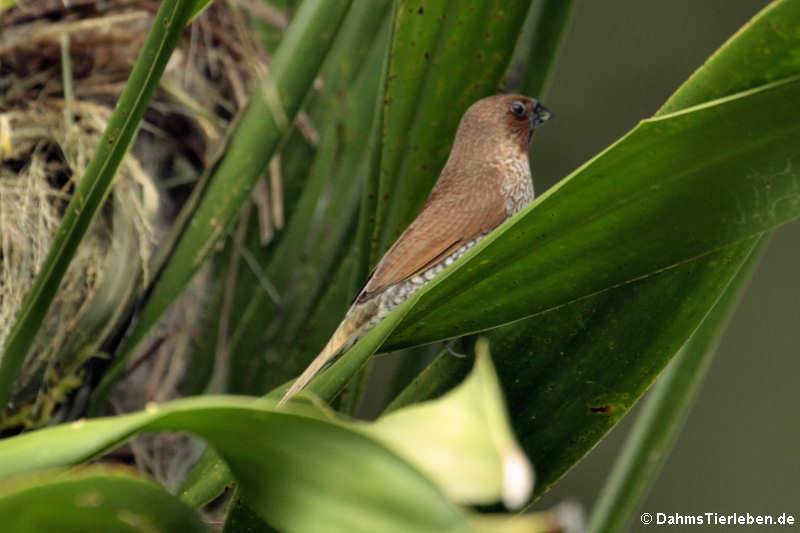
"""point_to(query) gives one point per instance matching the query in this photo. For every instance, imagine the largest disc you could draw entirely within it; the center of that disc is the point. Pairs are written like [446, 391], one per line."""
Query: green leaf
[207, 479]
[664, 413]
[317, 237]
[463, 440]
[325, 386]
[553, 356]
[441, 375]
[199, 7]
[667, 198]
[92, 499]
[320, 476]
[571, 374]
[263, 123]
[435, 73]
[199, 489]
[95, 184]
[588, 212]
[305, 186]
[699, 180]
[586, 232]
[301, 469]
[241, 518]
[539, 45]
[764, 50]
[535, 52]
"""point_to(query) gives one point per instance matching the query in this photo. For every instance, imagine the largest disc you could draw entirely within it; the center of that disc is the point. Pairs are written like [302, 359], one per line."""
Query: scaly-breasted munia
[486, 180]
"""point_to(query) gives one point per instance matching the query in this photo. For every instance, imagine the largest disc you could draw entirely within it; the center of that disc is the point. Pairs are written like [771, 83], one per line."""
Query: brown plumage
[486, 180]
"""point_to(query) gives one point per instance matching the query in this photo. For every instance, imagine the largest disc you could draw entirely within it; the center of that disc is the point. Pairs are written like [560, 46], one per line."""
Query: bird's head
[504, 123]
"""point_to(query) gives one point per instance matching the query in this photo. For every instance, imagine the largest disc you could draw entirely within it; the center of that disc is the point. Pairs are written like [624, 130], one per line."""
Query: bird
[486, 180]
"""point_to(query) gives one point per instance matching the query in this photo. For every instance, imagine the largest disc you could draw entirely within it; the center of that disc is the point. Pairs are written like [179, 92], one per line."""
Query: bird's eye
[517, 109]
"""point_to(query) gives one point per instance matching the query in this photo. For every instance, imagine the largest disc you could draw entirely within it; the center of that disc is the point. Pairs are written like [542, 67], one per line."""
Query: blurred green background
[739, 450]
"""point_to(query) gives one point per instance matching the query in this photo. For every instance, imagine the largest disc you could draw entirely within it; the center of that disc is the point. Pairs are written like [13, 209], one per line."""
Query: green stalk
[665, 412]
[538, 46]
[551, 25]
[266, 120]
[95, 184]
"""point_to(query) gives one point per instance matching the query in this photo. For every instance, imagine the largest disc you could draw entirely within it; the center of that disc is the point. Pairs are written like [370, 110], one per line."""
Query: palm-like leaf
[585, 296]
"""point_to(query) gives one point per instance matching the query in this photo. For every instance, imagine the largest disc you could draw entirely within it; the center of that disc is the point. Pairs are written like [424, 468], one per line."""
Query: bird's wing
[445, 223]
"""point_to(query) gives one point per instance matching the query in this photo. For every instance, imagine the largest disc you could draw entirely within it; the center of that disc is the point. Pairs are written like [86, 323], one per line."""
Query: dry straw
[62, 67]
[36, 179]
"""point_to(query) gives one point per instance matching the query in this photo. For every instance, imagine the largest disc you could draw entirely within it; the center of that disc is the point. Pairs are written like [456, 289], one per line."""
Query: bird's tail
[346, 334]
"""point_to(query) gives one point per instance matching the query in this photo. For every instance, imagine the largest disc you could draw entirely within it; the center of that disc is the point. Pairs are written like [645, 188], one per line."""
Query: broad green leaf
[200, 489]
[571, 383]
[665, 412]
[762, 51]
[303, 469]
[263, 123]
[757, 54]
[299, 471]
[586, 232]
[485, 465]
[92, 499]
[446, 309]
[570, 375]
[94, 185]
[698, 180]
[472, 416]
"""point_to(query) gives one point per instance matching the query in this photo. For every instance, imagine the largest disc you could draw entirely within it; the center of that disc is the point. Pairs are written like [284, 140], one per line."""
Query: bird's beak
[540, 115]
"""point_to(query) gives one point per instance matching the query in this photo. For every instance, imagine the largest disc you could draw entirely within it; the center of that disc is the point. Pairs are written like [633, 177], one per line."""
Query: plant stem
[265, 121]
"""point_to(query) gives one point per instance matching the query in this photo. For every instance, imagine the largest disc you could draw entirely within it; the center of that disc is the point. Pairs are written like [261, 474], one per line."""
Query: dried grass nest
[36, 179]
[62, 67]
